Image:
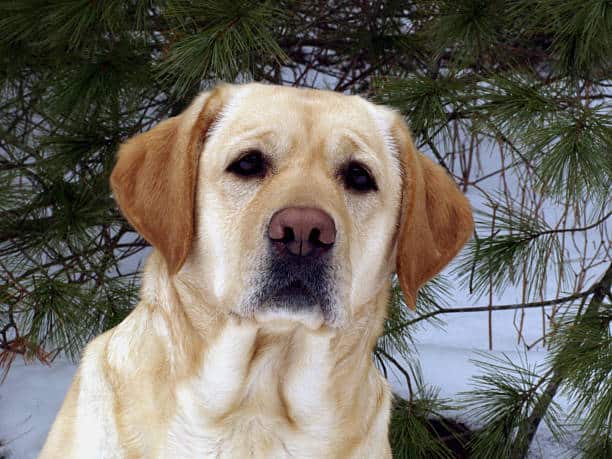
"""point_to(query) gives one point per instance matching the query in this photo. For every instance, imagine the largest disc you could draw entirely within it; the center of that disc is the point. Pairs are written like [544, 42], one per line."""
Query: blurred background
[509, 354]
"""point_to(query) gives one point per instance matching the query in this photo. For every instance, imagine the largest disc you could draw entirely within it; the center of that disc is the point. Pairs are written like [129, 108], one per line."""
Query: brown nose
[302, 230]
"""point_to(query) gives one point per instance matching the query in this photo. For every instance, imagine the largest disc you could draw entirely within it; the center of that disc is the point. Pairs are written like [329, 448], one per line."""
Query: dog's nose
[302, 230]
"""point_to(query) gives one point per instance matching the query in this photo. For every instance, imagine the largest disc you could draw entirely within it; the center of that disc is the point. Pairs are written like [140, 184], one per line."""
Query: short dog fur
[214, 362]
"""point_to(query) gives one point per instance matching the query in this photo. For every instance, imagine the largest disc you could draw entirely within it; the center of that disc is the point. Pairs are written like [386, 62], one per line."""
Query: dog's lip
[292, 289]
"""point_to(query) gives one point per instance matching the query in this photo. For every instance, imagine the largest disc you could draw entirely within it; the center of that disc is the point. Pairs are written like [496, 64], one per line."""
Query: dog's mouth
[294, 292]
[293, 295]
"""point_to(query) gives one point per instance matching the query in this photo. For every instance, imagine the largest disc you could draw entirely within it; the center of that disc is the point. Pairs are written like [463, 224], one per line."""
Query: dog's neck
[235, 388]
[232, 369]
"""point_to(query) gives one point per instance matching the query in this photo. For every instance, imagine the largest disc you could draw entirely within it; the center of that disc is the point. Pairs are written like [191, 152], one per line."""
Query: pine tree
[521, 84]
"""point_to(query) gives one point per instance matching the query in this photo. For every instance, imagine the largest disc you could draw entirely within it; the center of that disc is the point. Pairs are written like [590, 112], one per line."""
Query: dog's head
[287, 204]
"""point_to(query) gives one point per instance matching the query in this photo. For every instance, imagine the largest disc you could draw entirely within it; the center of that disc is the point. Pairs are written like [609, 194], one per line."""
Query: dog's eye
[357, 177]
[251, 164]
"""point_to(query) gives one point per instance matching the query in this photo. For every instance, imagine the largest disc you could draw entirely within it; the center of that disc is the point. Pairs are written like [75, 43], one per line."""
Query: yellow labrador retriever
[278, 216]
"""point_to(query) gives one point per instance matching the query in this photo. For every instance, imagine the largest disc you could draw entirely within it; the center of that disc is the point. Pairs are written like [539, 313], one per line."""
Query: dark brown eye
[251, 164]
[356, 177]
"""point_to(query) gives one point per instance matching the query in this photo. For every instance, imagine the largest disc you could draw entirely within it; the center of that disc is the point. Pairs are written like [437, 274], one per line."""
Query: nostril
[315, 239]
[314, 236]
[288, 234]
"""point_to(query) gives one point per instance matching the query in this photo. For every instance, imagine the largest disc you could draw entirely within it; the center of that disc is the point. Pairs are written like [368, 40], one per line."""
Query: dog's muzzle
[298, 272]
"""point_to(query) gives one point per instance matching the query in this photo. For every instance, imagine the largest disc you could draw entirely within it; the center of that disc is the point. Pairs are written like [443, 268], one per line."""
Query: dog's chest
[242, 436]
[260, 408]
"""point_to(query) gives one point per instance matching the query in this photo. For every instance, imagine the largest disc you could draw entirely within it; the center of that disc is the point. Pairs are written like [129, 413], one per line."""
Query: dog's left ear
[436, 217]
[154, 180]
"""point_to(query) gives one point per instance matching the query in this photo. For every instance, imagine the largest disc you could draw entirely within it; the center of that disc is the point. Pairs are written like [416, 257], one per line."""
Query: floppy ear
[436, 217]
[154, 179]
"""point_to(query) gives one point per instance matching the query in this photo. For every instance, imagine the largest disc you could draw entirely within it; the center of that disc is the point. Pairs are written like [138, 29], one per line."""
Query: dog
[278, 217]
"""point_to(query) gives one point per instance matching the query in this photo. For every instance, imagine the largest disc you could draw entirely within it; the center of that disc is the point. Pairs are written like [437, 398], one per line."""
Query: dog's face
[290, 205]
[298, 198]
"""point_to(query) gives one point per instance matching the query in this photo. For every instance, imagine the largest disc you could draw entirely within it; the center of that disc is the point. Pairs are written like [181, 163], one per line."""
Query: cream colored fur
[193, 371]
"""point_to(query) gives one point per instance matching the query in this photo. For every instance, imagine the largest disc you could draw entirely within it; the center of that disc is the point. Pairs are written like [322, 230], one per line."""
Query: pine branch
[571, 230]
[504, 307]
[399, 366]
[529, 429]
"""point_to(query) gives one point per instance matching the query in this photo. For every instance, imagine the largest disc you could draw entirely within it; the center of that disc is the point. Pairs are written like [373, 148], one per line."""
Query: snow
[30, 397]
[32, 394]
[446, 358]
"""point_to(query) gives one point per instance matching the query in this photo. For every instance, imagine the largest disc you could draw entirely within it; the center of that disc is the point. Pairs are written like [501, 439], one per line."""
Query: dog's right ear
[154, 180]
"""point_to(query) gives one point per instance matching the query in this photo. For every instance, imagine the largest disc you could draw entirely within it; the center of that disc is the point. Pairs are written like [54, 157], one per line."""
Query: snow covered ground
[445, 357]
[32, 394]
[30, 397]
